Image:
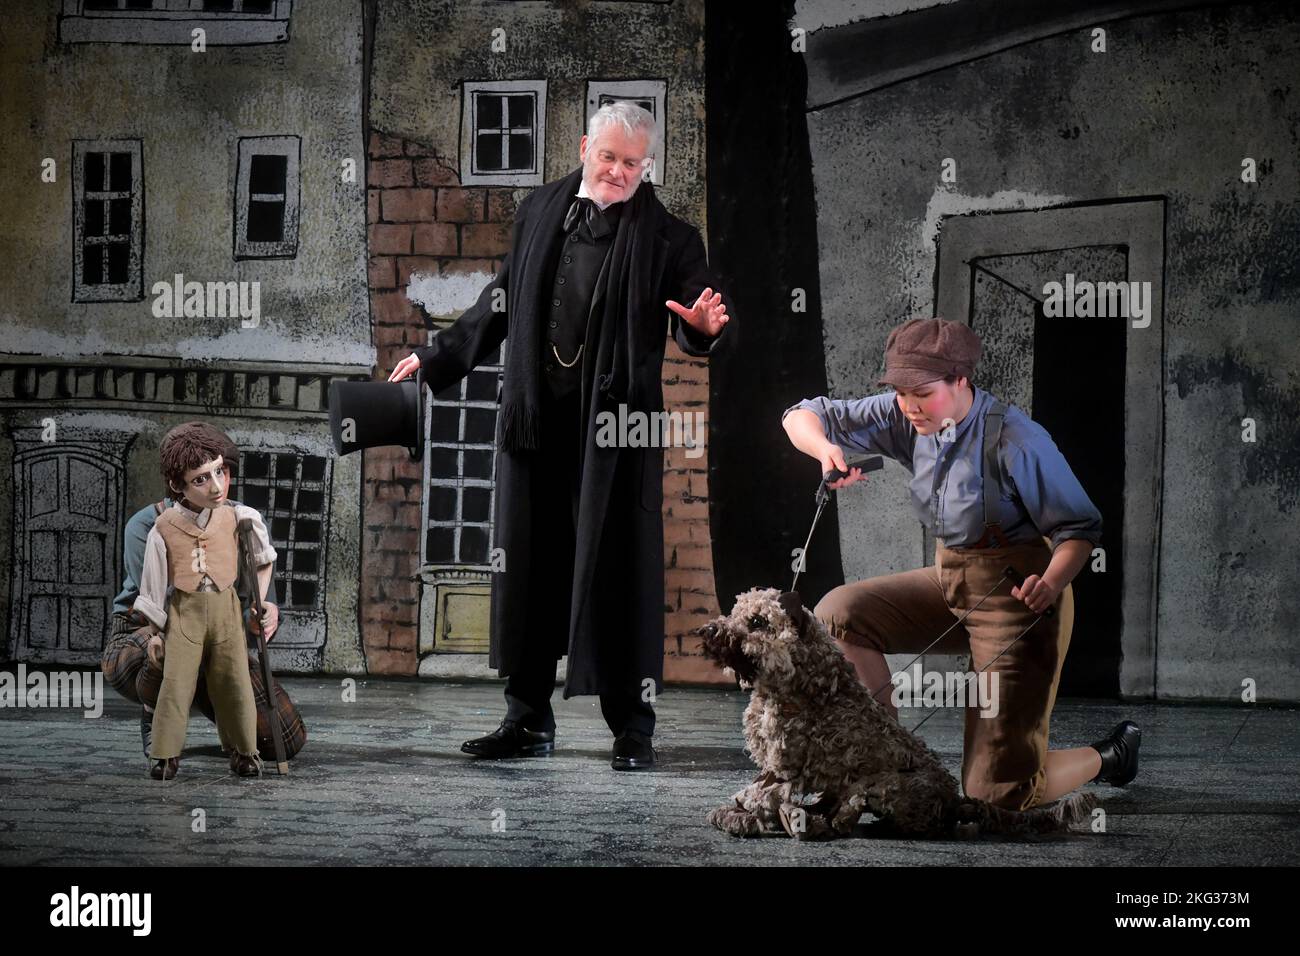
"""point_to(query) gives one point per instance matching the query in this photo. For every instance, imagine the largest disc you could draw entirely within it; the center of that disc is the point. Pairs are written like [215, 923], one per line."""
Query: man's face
[206, 485]
[926, 406]
[612, 164]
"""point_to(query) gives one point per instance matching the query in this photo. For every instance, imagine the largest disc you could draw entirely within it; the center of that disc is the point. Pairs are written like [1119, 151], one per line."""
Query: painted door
[67, 535]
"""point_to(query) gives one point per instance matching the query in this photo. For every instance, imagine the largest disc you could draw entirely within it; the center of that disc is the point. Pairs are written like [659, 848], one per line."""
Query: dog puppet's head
[761, 637]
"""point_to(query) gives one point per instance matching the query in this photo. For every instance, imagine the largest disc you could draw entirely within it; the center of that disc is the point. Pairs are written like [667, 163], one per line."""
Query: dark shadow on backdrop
[762, 234]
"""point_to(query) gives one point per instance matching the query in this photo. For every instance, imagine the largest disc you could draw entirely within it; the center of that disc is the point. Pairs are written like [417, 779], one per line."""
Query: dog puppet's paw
[966, 831]
[732, 819]
[802, 824]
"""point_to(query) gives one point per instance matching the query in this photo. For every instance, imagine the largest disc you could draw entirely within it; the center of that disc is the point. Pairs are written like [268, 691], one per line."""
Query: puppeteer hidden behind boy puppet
[187, 590]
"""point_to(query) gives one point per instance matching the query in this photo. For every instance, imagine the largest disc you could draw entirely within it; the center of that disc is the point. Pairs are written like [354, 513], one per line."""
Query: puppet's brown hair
[189, 445]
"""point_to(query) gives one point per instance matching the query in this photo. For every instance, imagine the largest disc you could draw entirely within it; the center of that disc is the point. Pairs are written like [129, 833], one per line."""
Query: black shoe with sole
[511, 740]
[1119, 754]
[632, 752]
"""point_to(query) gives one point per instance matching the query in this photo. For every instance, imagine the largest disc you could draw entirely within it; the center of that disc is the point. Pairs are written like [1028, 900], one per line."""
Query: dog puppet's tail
[1054, 817]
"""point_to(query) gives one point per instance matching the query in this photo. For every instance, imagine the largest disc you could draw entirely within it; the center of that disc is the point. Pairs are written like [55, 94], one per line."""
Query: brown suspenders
[991, 484]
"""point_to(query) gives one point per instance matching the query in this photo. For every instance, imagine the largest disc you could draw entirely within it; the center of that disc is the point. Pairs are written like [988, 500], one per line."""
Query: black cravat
[597, 225]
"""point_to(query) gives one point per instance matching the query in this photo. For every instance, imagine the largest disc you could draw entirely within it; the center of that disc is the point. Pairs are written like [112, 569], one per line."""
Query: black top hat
[373, 414]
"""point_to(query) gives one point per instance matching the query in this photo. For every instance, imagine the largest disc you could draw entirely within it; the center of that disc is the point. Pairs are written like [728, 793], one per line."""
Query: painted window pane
[459, 462]
[290, 490]
[267, 197]
[108, 189]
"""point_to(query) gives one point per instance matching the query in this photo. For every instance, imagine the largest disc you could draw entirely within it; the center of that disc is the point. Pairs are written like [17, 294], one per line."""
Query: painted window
[290, 489]
[266, 197]
[223, 22]
[503, 133]
[460, 462]
[108, 221]
[205, 6]
[650, 95]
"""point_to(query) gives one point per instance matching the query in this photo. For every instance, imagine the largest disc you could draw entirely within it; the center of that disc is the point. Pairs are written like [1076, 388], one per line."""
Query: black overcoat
[616, 621]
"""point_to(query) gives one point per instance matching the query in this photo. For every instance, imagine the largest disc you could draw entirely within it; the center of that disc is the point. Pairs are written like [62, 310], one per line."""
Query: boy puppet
[187, 589]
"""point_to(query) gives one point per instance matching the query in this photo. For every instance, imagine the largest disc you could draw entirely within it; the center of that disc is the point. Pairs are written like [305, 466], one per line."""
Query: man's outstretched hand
[707, 315]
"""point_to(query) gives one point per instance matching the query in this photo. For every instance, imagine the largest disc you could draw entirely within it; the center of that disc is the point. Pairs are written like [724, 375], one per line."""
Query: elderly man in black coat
[594, 281]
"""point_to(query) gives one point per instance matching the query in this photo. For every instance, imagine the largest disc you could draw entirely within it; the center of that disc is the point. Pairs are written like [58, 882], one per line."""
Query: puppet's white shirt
[152, 600]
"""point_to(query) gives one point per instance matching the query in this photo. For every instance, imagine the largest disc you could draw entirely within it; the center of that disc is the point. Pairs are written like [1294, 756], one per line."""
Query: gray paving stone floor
[382, 781]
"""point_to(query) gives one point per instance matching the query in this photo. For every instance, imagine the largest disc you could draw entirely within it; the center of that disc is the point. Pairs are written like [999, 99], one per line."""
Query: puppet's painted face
[926, 406]
[206, 485]
[612, 164]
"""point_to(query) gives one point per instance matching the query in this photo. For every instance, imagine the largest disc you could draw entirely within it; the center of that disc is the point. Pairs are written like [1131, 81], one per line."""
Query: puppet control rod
[248, 541]
[872, 463]
[875, 463]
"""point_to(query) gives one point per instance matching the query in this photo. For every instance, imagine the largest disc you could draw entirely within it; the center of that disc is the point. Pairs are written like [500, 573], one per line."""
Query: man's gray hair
[634, 119]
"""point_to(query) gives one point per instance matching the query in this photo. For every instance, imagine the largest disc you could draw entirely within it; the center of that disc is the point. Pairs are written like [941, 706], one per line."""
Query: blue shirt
[1040, 496]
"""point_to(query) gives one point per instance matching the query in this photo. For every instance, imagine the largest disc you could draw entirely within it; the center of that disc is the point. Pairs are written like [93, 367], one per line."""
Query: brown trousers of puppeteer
[1004, 755]
[204, 629]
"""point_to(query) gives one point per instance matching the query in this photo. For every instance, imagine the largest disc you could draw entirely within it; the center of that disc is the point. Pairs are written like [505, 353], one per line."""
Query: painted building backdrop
[1122, 165]
[1149, 142]
[874, 159]
[229, 164]
[171, 165]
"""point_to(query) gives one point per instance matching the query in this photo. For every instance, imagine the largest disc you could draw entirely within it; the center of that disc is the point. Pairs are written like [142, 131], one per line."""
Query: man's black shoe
[511, 740]
[146, 729]
[632, 752]
[1119, 754]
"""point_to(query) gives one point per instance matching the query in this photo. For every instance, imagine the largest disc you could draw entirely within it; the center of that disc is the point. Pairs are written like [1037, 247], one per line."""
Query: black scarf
[627, 303]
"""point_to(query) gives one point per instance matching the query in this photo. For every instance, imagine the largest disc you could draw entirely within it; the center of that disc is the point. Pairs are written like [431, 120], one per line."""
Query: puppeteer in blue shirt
[1040, 495]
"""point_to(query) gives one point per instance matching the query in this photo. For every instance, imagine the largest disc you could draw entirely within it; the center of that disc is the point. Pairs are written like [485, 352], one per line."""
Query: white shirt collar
[200, 518]
[583, 194]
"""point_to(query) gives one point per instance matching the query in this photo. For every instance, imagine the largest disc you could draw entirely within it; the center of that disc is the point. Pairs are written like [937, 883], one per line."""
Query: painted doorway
[1067, 373]
[67, 541]
[1094, 383]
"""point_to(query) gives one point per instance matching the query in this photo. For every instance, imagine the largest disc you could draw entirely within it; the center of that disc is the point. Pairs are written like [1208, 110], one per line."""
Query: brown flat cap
[922, 350]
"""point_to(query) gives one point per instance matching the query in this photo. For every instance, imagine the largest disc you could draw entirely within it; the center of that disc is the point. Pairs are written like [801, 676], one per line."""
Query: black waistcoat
[576, 269]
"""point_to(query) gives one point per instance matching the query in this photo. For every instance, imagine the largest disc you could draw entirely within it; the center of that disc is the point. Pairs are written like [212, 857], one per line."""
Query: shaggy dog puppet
[827, 751]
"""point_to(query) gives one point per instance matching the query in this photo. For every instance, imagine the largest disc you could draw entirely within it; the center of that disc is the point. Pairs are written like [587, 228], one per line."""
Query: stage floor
[382, 781]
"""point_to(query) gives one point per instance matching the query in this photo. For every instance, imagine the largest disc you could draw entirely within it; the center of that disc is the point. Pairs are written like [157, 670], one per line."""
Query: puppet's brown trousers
[204, 628]
[1004, 755]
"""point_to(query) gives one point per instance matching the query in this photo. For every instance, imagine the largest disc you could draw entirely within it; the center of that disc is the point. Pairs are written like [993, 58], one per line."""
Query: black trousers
[556, 487]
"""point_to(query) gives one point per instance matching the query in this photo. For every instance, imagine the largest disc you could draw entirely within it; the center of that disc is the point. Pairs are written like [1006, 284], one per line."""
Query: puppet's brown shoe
[165, 769]
[246, 765]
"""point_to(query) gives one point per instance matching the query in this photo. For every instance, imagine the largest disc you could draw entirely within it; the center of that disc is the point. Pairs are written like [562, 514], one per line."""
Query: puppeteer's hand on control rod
[270, 621]
[832, 459]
